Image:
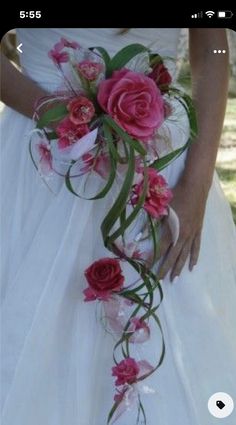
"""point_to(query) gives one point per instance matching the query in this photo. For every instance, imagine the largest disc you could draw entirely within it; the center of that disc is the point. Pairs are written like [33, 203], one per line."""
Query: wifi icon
[210, 13]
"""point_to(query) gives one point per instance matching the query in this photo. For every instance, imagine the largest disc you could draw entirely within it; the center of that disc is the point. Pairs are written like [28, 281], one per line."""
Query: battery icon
[225, 14]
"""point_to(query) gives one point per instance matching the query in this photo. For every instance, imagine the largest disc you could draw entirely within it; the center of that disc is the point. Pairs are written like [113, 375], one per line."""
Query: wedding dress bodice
[36, 42]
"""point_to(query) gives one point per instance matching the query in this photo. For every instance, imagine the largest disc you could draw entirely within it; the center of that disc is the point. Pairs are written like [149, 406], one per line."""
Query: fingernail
[175, 279]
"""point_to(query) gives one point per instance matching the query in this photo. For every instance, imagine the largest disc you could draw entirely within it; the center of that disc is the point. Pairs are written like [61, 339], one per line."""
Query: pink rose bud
[161, 76]
[81, 110]
[89, 70]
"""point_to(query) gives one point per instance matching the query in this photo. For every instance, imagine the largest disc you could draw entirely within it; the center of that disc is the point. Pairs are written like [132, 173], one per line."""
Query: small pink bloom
[69, 133]
[45, 160]
[100, 164]
[134, 102]
[89, 295]
[126, 371]
[81, 110]
[158, 194]
[70, 44]
[119, 396]
[140, 329]
[137, 255]
[161, 76]
[89, 70]
[58, 57]
[145, 368]
[88, 160]
[104, 277]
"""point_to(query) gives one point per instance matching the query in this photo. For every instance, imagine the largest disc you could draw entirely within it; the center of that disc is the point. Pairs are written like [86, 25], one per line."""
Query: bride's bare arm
[209, 87]
[18, 91]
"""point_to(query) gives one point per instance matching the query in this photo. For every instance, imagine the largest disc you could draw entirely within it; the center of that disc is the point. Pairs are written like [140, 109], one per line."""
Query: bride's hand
[189, 202]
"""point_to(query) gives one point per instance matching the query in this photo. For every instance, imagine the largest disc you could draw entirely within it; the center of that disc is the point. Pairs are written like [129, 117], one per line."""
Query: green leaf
[124, 136]
[121, 200]
[161, 163]
[125, 224]
[104, 190]
[112, 411]
[125, 55]
[190, 109]
[53, 114]
[110, 141]
[187, 103]
[104, 55]
[52, 135]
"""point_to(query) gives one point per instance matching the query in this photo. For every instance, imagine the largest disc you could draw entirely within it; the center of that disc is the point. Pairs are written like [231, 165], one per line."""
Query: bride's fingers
[170, 260]
[181, 260]
[194, 254]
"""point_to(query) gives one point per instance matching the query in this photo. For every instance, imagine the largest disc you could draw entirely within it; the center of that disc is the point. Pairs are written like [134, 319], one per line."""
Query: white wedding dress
[56, 357]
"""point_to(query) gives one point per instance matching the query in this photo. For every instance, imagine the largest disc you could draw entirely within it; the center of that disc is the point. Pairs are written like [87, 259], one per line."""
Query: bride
[55, 356]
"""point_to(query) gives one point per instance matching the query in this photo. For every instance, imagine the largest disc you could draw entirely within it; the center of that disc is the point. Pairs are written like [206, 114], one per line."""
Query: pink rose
[134, 102]
[126, 371]
[81, 110]
[89, 70]
[104, 277]
[69, 133]
[161, 76]
[158, 194]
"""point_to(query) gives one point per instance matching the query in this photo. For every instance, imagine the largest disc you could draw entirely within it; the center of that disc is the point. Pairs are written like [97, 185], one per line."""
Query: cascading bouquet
[104, 126]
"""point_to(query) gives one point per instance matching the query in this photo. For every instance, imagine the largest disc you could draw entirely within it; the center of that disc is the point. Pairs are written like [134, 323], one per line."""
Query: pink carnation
[126, 371]
[134, 102]
[158, 194]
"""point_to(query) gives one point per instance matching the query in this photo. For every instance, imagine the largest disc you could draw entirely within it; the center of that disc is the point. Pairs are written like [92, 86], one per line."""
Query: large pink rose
[104, 277]
[158, 194]
[134, 102]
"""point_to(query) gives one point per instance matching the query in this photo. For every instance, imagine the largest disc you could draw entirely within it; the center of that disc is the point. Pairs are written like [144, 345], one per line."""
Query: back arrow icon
[19, 48]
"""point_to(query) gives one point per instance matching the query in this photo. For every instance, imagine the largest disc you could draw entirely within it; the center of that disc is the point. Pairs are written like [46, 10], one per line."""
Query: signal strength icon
[197, 15]
[210, 13]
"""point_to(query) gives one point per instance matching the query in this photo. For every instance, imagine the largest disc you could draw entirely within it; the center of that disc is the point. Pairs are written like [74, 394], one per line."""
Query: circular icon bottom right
[220, 405]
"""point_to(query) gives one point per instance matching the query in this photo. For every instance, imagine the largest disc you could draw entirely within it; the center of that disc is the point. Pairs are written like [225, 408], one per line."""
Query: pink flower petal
[84, 145]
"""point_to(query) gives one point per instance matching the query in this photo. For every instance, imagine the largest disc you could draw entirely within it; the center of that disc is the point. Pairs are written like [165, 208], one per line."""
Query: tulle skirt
[56, 356]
